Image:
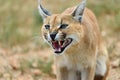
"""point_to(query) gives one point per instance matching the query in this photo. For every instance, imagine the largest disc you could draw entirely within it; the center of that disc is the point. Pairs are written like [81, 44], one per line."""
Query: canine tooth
[64, 43]
[59, 43]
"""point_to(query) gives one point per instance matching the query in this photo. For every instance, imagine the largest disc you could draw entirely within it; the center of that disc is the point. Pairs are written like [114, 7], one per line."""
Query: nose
[53, 35]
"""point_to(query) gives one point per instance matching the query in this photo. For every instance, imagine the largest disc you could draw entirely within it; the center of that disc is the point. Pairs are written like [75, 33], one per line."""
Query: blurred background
[23, 53]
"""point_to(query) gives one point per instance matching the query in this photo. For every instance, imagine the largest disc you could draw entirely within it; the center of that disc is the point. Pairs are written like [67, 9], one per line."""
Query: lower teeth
[59, 49]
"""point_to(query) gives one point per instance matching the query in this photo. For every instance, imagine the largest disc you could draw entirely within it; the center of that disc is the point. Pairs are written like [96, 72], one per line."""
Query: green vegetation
[107, 12]
[20, 21]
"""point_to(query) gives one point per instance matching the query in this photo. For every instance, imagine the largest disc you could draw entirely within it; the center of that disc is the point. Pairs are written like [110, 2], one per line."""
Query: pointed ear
[43, 12]
[78, 12]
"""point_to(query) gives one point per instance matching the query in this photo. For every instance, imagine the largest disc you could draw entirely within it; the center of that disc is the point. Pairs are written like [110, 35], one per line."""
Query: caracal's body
[79, 51]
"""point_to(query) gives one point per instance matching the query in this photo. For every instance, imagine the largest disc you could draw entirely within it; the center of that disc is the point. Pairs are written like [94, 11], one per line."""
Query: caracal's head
[62, 31]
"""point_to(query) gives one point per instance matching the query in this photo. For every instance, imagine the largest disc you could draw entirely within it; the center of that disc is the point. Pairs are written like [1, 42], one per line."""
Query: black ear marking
[43, 12]
[80, 19]
[78, 13]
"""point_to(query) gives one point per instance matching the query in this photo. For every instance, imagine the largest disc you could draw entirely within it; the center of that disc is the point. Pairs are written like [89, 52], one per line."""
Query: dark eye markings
[47, 26]
[63, 26]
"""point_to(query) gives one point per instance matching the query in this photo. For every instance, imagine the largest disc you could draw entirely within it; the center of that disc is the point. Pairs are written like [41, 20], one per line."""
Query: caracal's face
[61, 32]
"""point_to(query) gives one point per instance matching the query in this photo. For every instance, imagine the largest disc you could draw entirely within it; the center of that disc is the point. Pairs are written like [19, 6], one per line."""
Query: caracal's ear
[78, 12]
[43, 12]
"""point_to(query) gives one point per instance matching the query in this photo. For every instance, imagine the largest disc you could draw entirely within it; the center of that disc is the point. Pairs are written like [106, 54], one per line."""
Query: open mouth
[59, 46]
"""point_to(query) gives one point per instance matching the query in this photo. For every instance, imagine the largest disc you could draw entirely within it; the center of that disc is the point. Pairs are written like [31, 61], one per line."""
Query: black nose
[52, 35]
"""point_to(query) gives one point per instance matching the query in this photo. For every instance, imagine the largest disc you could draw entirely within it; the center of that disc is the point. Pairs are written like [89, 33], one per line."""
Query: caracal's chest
[74, 62]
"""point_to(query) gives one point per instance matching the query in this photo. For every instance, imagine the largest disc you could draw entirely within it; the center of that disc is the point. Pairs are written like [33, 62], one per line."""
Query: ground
[29, 66]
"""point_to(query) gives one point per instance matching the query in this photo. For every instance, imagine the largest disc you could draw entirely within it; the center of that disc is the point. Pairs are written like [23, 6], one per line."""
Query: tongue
[56, 45]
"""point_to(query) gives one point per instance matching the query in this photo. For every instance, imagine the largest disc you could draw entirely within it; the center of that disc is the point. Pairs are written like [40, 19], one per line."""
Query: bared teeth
[64, 44]
[59, 43]
[59, 49]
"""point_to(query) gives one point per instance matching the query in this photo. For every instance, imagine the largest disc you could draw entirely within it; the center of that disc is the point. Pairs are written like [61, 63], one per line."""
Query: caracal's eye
[63, 26]
[47, 26]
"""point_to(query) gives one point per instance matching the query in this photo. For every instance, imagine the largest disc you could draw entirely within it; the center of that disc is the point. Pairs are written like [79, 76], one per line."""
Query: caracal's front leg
[88, 74]
[65, 74]
[62, 73]
[72, 75]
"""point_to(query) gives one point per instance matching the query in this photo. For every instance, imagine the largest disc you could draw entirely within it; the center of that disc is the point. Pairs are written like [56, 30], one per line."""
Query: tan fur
[82, 55]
